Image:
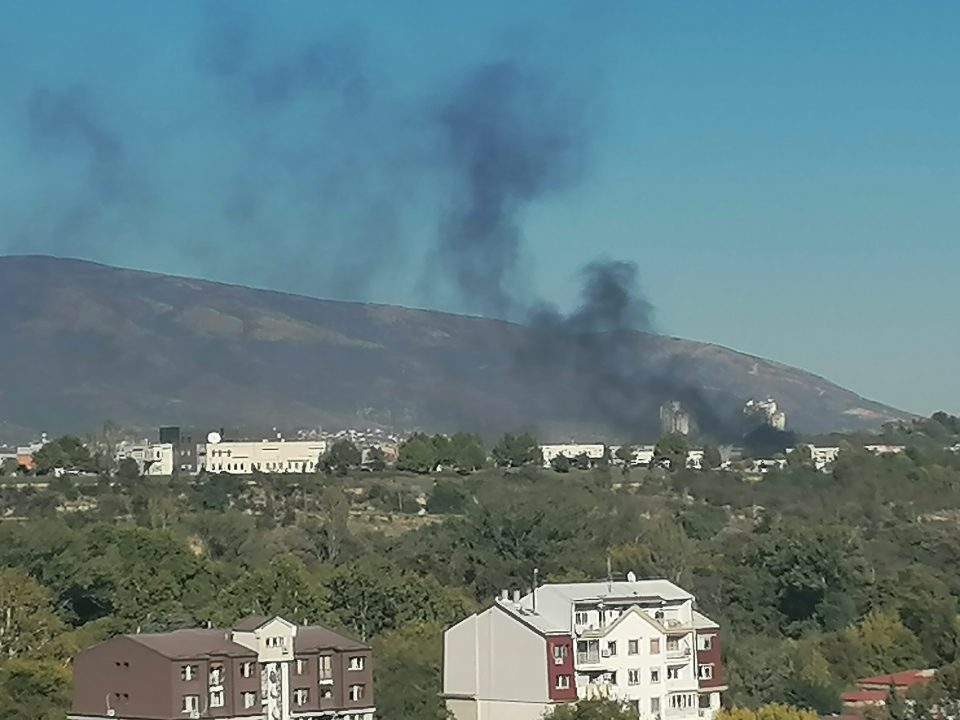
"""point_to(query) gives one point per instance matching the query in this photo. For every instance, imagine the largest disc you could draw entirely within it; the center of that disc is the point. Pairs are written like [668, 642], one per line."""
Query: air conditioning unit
[605, 653]
[111, 712]
[194, 715]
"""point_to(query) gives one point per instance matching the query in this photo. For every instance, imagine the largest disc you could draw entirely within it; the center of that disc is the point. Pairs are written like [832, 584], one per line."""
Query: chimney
[504, 595]
[516, 597]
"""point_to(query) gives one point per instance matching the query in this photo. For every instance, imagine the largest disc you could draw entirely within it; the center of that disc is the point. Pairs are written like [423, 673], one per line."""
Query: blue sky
[785, 175]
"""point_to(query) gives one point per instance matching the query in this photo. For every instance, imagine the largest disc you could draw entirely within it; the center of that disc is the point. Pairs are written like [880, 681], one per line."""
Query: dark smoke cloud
[510, 142]
[608, 361]
[66, 131]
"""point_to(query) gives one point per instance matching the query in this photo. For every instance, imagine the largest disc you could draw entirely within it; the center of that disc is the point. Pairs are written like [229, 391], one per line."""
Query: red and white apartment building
[640, 641]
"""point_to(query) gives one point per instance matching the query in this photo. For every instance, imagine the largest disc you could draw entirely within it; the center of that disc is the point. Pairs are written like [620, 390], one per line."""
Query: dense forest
[817, 577]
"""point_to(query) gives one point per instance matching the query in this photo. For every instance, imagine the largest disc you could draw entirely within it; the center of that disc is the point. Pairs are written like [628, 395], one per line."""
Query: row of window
[634, 676]
[292, 466]
[356, 663]
[301, 697]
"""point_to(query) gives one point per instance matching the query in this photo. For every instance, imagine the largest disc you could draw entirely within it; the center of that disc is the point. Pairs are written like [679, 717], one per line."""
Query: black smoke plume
[510, 142]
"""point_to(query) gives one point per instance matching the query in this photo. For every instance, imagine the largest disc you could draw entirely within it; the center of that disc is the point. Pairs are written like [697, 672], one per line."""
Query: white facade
[571, 450]
[636, 641]
[273, 456]
[823, 456]
[152, 459]
[885, 449]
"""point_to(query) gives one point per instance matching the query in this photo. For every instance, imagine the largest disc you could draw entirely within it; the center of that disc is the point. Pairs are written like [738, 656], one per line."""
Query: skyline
[782, 177]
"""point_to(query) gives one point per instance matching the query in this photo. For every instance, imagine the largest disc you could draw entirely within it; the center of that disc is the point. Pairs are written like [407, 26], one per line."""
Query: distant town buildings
[674, 419]
[268, 456]
[261, 669]
[152, 459]
[765, 412]
[570, 451]
[641, 641]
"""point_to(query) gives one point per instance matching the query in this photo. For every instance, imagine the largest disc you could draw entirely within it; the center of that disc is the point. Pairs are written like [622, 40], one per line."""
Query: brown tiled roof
[317, 637]
[192, 643]
[250, 623]
[187, 644]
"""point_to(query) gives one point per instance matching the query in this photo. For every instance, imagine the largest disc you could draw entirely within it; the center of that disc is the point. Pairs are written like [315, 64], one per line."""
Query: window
[216, 698]
[580, 618]
[216, 675]
[563, 682]
[275, 642]
[191, 703]
[301, 696]
[654, 706]
[188, 672]
[655, 676]
[633, 677]
[705, 642]
[357, 662]
[559, 654]
[301, 666]
[655, 646]
[633, 647]
[672, 645]
[704, 702]
[588, 652]
[356, 693]
[612, 648]
[249, 699]
[673, 672]
[681, 701]
[325, 669]
[705, 672]
[246, 669]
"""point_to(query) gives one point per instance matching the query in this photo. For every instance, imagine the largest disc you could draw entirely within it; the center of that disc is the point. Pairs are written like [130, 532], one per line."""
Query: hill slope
[85, 342]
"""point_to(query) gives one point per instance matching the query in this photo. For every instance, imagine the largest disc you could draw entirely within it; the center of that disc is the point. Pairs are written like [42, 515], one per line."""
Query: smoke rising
[510, 142]
[302, 151]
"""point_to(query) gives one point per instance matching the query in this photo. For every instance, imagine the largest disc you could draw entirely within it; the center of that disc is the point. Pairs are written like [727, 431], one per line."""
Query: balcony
[680, 652]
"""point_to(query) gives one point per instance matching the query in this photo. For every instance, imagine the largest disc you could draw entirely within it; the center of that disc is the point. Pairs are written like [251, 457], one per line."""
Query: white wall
[501, 662]
[271, 456]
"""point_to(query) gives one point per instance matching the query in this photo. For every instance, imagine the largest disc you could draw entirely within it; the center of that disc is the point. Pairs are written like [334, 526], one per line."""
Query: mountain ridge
[91, 342]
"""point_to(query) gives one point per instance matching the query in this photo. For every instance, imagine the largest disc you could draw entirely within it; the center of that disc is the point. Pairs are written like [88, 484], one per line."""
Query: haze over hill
[87, 342]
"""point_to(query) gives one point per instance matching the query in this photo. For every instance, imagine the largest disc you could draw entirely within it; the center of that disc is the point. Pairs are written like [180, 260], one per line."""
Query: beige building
[268, 456]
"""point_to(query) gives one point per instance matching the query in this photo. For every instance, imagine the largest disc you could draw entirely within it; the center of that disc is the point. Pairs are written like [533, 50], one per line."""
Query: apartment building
[640, 641]
[594, 451]
[261, 669]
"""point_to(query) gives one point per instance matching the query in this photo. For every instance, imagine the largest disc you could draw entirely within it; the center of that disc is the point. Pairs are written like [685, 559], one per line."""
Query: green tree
[515, 451]
[128, 469]
[9, 466]
[377, 459]
[417, 454]
[467, 452]
[597, 709]
[447, 497]
[711, 457]
[408, 670]
[801, 455]
[341, 457]
[28, 626]
[624, 454]
[33, 690]
[672, 449]
[767, 712]
[560, 463]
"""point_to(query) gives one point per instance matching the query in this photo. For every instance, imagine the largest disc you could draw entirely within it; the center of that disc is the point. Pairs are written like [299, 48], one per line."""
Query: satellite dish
[213, 438]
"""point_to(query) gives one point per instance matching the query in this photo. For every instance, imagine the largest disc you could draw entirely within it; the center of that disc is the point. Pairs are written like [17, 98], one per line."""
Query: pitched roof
[872, 697]
[250, 623]
[189, 644]
[555, 602]
[903, 679]
[186, 644]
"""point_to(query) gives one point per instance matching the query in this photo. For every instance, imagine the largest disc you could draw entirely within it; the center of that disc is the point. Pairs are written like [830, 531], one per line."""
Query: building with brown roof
[262, 668]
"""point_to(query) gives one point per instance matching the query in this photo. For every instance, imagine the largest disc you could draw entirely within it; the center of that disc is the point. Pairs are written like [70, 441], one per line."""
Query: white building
[267, 456]
[152, 459]
[766, 412]
[674, 419]
[639, 641]
[571, 450]
[885, 449]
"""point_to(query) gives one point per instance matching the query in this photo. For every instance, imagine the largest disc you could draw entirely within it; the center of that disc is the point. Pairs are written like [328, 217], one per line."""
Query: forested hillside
[817, 578]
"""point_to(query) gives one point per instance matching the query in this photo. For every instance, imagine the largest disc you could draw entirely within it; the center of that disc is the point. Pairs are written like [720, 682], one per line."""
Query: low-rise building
[267, 456]
[152, 459]
[261, 669]
[874, 691]
[594, 451]
[640, 641]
